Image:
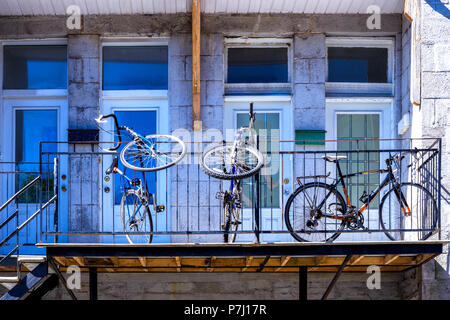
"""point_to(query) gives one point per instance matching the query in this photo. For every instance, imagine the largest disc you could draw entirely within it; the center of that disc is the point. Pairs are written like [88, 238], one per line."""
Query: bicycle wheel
[420, 219]
[226, 162]
[157, 152]
[231, 215]
[314, 213]
[136, 218]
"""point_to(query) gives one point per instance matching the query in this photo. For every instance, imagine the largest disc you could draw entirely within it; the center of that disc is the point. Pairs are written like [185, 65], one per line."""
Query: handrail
[18, 193]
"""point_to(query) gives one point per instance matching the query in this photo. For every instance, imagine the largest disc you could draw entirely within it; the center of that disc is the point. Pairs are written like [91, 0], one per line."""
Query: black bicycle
[317, 211]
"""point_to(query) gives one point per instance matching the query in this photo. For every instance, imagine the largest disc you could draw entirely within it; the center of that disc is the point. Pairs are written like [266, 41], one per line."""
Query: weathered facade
[418, 56]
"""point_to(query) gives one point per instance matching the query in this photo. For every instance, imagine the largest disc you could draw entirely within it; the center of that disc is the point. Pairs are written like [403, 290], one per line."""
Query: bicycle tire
[229, 237]
[431, 207]
[123, 218]
[287, 217]
[230, 176]
[131, 144]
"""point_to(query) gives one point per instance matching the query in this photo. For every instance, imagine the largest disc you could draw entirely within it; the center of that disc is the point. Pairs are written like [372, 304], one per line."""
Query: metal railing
[19, 210]
[88, 206]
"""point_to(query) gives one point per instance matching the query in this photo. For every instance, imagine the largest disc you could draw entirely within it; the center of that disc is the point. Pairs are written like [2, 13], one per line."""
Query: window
[143, 122]
[360, 66]
[257, 65]
[267, 126]
[35, 67]
[31, 128]
[135, 68]
[352, 130]
[357, 65]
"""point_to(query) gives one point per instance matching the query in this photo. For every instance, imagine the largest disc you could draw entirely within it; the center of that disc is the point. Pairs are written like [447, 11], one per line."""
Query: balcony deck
[265, 257]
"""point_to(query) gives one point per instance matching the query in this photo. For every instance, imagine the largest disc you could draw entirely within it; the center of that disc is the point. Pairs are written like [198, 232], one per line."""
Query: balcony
[73, 213]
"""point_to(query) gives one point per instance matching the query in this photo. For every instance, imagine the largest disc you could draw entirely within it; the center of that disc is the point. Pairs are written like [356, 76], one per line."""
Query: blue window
[143, 122]
[257, 65]
[35, 67]
[369, 65]
[33, 127]
[135, 68]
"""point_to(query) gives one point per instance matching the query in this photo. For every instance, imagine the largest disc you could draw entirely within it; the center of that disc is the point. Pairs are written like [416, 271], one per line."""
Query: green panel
[310, 137]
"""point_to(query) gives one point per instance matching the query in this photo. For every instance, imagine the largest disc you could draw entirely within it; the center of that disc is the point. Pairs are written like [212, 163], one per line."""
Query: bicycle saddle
[333, 158]
[113, 165]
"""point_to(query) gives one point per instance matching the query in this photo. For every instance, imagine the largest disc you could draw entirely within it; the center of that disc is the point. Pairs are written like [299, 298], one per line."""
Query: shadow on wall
[440, 7]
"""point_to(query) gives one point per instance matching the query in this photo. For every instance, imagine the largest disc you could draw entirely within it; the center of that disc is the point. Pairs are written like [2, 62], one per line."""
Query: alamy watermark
[374, 280]
[373, 22]
[73, 21]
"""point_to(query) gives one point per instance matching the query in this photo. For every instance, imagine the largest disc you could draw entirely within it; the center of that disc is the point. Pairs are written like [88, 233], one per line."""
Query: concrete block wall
[231, 286]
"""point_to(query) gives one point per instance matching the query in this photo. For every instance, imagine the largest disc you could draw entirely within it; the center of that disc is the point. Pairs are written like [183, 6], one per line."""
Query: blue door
[143, 122]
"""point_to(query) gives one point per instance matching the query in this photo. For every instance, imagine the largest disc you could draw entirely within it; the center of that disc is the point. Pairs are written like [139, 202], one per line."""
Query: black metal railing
[88, 207]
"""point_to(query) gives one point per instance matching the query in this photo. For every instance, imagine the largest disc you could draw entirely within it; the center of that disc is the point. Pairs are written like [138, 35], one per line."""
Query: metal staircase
[37, 281]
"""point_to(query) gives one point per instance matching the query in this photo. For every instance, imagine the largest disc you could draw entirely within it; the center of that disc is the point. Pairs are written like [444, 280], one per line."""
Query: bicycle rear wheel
[308, 213]
[227, 162]
[136, 218]
[231, 217]
[419, 219]
[156, 152]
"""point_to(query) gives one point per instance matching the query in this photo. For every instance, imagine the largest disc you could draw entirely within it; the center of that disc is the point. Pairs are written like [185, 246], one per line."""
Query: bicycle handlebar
[100, 120]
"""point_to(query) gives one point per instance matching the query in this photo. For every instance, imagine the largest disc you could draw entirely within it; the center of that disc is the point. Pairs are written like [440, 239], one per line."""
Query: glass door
[272, 124]
[142, 118]
[27, 125]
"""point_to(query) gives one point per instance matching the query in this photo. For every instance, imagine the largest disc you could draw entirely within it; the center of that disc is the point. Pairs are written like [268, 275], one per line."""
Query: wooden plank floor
[242, 264]
[279, 257]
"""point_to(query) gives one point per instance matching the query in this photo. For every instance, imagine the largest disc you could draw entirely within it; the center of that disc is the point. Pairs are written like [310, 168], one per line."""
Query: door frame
[385, 108]
[283, 105]
[113, 101]
[36, 100]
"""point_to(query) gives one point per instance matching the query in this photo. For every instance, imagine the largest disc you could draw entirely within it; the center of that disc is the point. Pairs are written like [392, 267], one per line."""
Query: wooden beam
[283, 262]
[196, 65]
[143, 261]
[389, 258]
[80, 261]
[355, 259]
[178, 263]
[248, 261]
[210, 262]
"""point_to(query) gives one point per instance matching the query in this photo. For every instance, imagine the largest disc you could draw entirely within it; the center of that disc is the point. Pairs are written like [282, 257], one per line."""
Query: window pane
[257, 65]
[359, 126]
[144, 123]
[267, 126]
[35, 67]
[135, 68]
[33, 127]
[357, 65]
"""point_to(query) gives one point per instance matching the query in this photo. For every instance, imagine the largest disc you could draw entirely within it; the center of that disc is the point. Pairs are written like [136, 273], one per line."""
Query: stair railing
[18, 227]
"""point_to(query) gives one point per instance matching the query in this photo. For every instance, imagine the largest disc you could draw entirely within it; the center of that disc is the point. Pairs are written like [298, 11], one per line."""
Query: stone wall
[232, 286]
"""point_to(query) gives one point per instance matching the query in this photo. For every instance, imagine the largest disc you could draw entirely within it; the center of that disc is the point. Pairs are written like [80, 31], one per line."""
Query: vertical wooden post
[196, 65]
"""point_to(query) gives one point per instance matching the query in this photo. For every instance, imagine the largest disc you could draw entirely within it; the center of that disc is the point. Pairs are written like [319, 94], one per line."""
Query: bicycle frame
[389, 178]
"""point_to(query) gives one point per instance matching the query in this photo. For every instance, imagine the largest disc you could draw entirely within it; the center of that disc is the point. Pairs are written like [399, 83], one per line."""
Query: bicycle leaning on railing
[233, 161]
[317, 211]
[145, 154]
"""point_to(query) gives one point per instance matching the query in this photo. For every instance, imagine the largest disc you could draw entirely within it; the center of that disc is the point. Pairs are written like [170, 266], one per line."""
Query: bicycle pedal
[237, 222]
[160, 208]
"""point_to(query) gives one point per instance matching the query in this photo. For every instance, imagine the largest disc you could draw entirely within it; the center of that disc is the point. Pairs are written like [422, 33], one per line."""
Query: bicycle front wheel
[408, 212]
[313, 213]
[156, 152]
[227, 162]
[136, 219]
